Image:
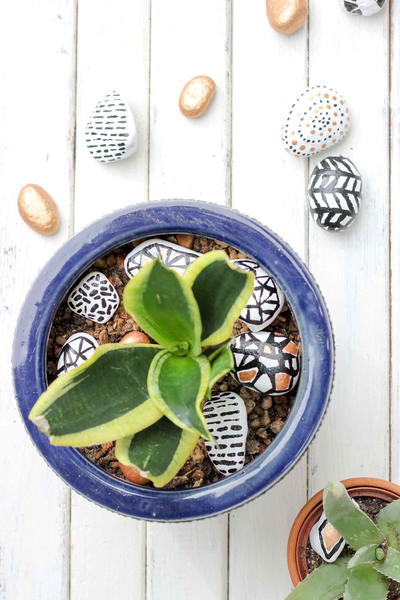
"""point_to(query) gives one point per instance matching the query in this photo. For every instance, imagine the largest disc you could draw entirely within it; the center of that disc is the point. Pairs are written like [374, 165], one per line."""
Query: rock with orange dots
[319, 119]
[266, 361]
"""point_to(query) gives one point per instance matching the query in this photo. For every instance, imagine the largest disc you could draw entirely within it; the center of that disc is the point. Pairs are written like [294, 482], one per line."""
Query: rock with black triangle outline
[326, 541]
[78, 348]
[366, 8]
[171, 255]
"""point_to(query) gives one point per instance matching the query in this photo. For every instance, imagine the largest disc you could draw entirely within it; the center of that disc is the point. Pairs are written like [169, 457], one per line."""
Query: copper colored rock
[135, 337]
[133, 475]
[287, 16]
[185, 239]
[196, 96]
[38, 209]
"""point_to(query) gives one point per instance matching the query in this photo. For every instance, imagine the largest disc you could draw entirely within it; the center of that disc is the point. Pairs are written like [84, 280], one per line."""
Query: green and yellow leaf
[325, 583]
[177, 386]
[221, 365]
[221, 290]
[365, 584]
[388, 521]
[159, 452]
[163, 304]
[103, 399]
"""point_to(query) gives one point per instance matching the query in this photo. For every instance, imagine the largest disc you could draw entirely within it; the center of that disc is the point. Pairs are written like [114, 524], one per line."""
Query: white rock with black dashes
[94, 298]
[171, 255]
[78, 348]
[366, 8]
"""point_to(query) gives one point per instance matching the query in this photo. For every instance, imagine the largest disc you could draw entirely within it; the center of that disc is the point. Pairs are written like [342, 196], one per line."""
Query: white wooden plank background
[58, 57]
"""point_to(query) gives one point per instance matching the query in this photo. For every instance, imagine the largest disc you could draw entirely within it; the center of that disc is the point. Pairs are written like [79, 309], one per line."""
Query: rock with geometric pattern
[266, 362]
[267, 300]
[171, 255]
[334, 193]
[366, 8]
[326, 541]
[78, 348]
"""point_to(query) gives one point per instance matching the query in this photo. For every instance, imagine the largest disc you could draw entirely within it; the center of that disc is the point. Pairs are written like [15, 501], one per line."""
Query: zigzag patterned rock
[171, 255]
[366, 8]
[334, 193]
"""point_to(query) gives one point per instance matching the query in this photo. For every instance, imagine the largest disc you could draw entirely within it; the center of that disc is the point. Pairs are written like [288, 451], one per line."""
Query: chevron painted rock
[326, 541]
[171, 255]
[267, 300]
[366, 8]
[111, 130]
[226, 418]
[94, 298]
[266, 362]
[78, 348]
[319, 119]
[334, 193]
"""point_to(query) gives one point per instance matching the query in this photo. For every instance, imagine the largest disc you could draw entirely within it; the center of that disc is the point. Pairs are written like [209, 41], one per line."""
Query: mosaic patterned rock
[111, 130]
[171, 255]
[226, 419]
[94, 298]
[267, 300]
[366, 8]
[78, 348]
[319, 119]
[326, 541]
[334, 193]
[266, 362]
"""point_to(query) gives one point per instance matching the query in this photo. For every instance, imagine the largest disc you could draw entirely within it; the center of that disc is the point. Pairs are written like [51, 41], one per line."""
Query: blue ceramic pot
[152, 219]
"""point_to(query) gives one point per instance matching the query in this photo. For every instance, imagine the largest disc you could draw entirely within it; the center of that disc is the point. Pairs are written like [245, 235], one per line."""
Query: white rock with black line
[326, 541]
[366, 8]
[171, 255]
[78, 348]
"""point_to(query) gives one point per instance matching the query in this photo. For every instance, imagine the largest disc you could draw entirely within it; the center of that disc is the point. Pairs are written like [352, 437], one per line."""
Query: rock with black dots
[94, 298]
[171, 255]
[366, 8]
[319, 119]
[326, 541]
[334, 193]
[266, 362]
[226, 418]
[78, 348]
[110, 132]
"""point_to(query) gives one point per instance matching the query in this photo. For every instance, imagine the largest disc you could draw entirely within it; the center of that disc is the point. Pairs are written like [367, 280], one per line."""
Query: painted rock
[334, 193]
[38, 209]
[287, 16]
[267, 300]
[77, 349]
[94, 298]
[319, 119]
[226, 418]
[266, 362]
[135, 337]
[196, 96]
[366, 8]
[326, 541]
[111, 130]
[171, 255]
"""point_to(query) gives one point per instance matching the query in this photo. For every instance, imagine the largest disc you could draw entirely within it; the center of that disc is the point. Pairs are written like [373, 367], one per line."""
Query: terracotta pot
[311, 512]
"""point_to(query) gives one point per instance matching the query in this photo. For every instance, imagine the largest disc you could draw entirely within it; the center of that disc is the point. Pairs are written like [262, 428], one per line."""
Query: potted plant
[345, 543]
[161, 219]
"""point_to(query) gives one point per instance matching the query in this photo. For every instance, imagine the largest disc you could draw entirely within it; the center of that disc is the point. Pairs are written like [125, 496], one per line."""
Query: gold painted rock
[38, 209]
[135, 337]
[196, 96]
[287, 16]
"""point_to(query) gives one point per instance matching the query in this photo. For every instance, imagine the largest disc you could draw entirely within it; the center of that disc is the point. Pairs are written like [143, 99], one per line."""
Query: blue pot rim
[250, 237]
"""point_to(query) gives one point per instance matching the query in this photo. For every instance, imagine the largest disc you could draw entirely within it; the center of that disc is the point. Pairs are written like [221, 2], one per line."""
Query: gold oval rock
[287, 16]
[196, 96]
[38, 209]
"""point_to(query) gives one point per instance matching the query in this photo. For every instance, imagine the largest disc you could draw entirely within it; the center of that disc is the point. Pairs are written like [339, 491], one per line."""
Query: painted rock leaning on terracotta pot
[287, 16]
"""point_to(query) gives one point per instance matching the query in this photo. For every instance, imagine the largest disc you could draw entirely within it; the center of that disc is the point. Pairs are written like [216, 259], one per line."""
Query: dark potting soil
[266, 414]
[371, 506]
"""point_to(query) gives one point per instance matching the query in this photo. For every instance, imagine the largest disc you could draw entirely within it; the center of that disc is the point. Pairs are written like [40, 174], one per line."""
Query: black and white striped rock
[267, 300]
[171, 255]
[78, 348]
[326, 541]
[111, 130]
[94, 298]
[366, 8]
[334, 193]
[226, 418]
[267, 362]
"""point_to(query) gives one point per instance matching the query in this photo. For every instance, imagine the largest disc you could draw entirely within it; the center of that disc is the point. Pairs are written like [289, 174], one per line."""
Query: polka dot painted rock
[111, 130]
[94, 298]
[334, 193]
[366, 8]
[326, 541]
[319, 119]
[171, 255]
[77, 349]
[226, 418]
[266, 362]
[267, 300]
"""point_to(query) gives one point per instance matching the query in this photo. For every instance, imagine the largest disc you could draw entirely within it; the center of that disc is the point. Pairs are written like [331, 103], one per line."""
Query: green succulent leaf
[102, 400]
[212, 351]
[390, 566]
[325, 583]
[177, 386]
[365, 555]
[163, 304]
[221, 290]
[350, 521]
[159, 451]
[365, 584]
[220, 366]
[388, 521]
